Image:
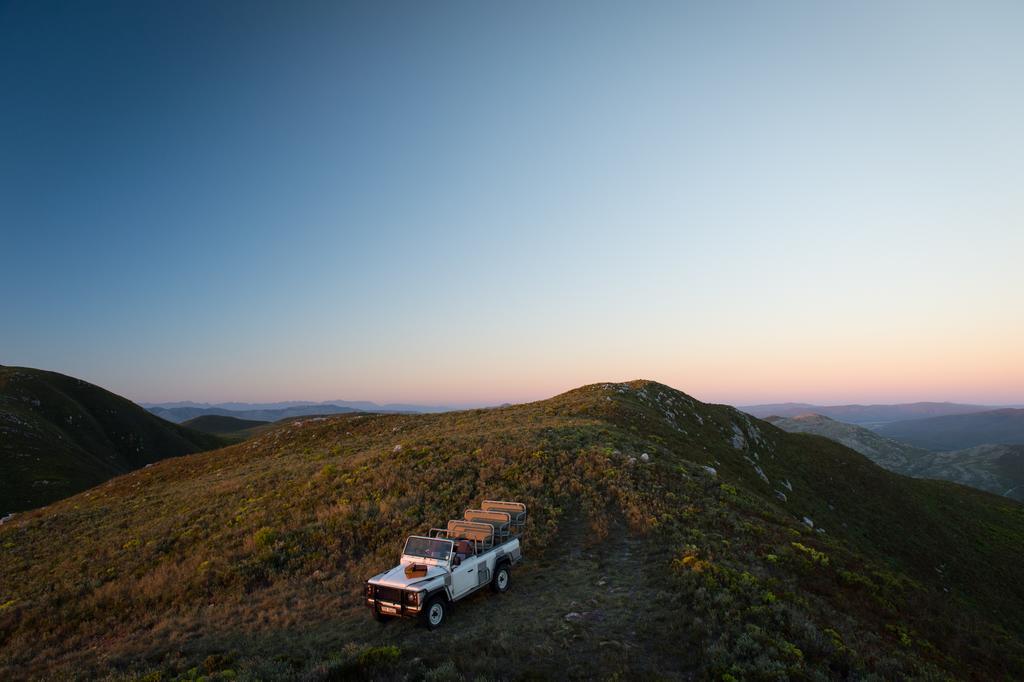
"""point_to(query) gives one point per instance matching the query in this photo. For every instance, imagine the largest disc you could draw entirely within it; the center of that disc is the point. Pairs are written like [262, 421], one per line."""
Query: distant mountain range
[352, 405]
[996, 468]
[955, 432]
[60, 435]
[179, 412]
[180, 415]
[865, 415]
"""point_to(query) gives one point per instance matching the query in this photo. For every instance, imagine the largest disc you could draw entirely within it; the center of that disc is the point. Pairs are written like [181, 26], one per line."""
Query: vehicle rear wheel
[502, 579]
[435, 612]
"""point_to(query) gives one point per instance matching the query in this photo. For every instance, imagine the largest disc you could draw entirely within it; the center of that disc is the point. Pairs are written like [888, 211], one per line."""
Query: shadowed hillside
[212, 423]
[956, 432]
[60, 435]
[228, 429]
[885, 452]
[998, 469]
[667, 538]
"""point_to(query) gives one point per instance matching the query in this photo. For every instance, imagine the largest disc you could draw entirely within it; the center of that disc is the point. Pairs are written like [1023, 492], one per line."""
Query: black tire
[435, 612]
[380, 617]
[502, 579]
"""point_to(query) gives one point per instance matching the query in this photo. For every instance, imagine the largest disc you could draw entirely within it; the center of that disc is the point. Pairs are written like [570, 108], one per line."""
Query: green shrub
[811, 554]
[379, 656]
[265, 537]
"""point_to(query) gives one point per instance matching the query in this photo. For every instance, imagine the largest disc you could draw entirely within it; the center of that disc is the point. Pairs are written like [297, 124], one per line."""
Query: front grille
[391, 594]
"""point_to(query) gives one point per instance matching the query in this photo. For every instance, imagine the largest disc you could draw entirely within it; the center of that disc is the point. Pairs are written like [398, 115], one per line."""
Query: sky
[475, 203]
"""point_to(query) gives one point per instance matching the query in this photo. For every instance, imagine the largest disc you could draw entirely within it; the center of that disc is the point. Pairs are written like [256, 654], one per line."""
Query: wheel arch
[441, 590]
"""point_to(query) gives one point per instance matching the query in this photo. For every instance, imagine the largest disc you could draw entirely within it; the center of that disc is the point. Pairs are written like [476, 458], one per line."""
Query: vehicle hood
[396, 576]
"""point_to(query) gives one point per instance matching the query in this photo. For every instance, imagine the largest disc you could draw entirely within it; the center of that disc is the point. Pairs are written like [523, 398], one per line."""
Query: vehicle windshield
[428, 548]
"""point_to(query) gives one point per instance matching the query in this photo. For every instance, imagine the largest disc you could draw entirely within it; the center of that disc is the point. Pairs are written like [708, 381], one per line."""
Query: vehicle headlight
[369, 590]
[412, 598]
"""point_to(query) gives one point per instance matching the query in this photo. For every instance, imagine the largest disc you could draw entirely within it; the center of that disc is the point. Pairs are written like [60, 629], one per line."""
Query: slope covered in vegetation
[998, 469]
[885, 452]
[667, 538]
[213, 423]
[960, 431]
[60, 435]
[226, 426]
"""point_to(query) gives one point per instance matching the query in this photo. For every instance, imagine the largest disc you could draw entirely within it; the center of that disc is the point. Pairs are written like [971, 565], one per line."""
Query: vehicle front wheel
[435, 612]
[502, 579]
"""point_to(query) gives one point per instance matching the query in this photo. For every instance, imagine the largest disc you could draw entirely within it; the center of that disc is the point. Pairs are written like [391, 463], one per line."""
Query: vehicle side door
[464, 576]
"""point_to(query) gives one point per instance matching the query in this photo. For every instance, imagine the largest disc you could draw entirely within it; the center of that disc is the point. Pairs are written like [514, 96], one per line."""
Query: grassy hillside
[698, 560]
[956, 432]
[60, 435]
[997, 469]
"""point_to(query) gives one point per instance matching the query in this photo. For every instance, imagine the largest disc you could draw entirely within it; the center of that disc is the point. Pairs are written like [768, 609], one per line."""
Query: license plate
[389, 609]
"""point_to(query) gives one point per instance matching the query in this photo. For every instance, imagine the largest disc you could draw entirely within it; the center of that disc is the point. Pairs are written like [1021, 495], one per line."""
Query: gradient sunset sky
[474, 203]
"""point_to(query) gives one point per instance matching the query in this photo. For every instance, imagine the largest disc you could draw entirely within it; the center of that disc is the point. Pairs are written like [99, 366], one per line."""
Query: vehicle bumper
[388, 608]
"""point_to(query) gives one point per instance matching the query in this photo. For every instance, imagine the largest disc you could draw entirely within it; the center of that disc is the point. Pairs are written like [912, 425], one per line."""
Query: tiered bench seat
[515, 510]
[495, 523]
[501, 521]
[481, 534]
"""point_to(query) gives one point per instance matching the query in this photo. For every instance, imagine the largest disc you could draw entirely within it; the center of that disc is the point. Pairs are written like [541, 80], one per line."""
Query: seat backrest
[480, 532]
[499, 517]
[516, 510]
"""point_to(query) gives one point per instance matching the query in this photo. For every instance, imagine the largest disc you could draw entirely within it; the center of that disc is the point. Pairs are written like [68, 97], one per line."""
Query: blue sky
[481, 202]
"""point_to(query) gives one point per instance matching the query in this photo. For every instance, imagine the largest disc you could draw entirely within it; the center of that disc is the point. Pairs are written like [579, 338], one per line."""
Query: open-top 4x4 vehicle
[448, 564]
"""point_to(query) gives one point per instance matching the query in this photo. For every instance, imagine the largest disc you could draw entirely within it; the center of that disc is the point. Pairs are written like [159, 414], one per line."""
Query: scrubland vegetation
[667, 539]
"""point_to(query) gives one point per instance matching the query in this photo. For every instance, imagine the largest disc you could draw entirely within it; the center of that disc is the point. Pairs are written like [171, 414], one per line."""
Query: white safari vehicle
[447, 564]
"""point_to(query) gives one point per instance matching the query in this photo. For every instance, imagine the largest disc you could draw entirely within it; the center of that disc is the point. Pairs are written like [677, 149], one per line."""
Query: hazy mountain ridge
[179, 415]
[60, 435]
[955, 432]
[997, 469]
[874, 415]
[356, 405]
[688, 539]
